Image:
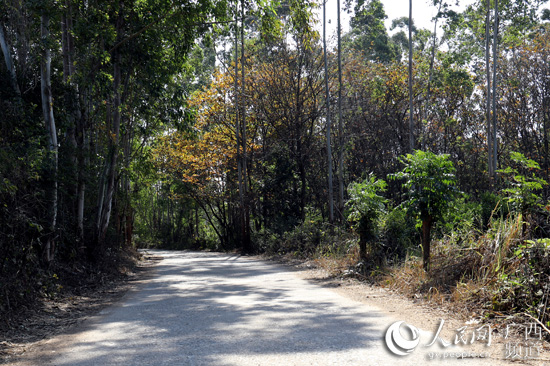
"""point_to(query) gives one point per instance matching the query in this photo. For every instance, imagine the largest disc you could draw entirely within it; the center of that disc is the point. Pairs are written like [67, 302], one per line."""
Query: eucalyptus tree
[341, 141]
[8, 60]
[411, 105]
[469, 35]
[102, 69]
[328, 121]
[51, 131]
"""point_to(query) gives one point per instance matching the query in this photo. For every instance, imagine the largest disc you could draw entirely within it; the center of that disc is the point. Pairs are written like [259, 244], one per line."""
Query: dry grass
[337, 264]
[466, 278]
[469, 273]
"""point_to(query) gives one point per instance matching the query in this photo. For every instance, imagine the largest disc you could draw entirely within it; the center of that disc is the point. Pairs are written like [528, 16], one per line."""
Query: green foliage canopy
[521, 189]
[366, 204]
[430, 183]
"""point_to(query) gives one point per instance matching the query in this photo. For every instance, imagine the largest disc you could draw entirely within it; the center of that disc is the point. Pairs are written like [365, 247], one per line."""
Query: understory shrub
[305, 240]
[460, 221]
[365, 208]
[399, 234]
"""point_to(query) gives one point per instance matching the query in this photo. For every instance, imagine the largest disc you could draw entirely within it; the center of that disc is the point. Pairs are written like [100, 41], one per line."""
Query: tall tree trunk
[340, 124]
[488, 91]
[495, 61]
[127, 209]
[545, 123]
[237, 115]
[411, 122]
[66, 44]
[105, 207]
[83, 142]
[430, 79]
[47, 111]
[426, 240]
[327, 98]
[247, 244]
[239, 121]
[74, 117]
[9, 61]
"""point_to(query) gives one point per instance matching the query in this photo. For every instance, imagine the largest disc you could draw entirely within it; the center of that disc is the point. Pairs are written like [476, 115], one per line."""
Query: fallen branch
[538, 321]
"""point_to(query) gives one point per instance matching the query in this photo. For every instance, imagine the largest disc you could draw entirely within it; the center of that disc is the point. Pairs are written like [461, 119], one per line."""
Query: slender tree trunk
[127, 209]
[114, 137]
[65, 45]
[303, 183]
[411, 122]
[426, 240]
[327, 96]
[9, 61]
[495, 62]
[299, 154]
[340, 124]
[247, 244]
[83, 141]
[74, 116]
[47, 111]
[239, 130]
[545, 121]
[197, 223]
[81, 192]
[488, 91]
[237, 122]
[430, 79]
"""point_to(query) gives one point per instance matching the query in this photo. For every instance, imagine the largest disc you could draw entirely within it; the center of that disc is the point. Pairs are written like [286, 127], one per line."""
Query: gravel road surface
[219, 309]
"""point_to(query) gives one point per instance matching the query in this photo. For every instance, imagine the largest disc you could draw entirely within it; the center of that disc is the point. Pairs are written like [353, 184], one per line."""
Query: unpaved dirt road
[219, 309]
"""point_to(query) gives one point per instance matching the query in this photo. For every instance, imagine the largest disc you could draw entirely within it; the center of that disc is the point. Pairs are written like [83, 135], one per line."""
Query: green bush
[365, 206]
[521, 190]
[462, 218]
[430, 184]
[399, 233]
[302, 241]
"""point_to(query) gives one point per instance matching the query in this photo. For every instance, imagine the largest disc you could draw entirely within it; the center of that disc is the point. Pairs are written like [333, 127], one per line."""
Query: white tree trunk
[411, 105]
[47, 111]
[488, 91]
[8, 60]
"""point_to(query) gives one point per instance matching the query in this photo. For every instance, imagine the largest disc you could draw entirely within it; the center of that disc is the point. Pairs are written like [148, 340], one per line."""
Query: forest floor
[31, 339]
[26, 329]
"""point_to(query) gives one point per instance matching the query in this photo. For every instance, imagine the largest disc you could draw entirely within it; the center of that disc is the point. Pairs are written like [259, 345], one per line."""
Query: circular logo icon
[397, 344]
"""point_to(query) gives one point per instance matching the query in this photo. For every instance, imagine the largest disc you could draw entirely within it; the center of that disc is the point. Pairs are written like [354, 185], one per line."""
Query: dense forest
[227, 125]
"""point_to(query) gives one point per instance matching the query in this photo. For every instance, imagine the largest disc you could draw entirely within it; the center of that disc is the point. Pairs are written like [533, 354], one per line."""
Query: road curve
[218, 309]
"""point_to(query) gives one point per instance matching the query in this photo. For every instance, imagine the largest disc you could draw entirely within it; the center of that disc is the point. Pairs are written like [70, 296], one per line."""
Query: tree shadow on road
[215, 309]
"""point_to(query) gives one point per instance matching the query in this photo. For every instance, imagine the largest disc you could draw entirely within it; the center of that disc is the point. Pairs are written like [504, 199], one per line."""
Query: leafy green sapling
[430, 185]
[521, 189]
[365, 206]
